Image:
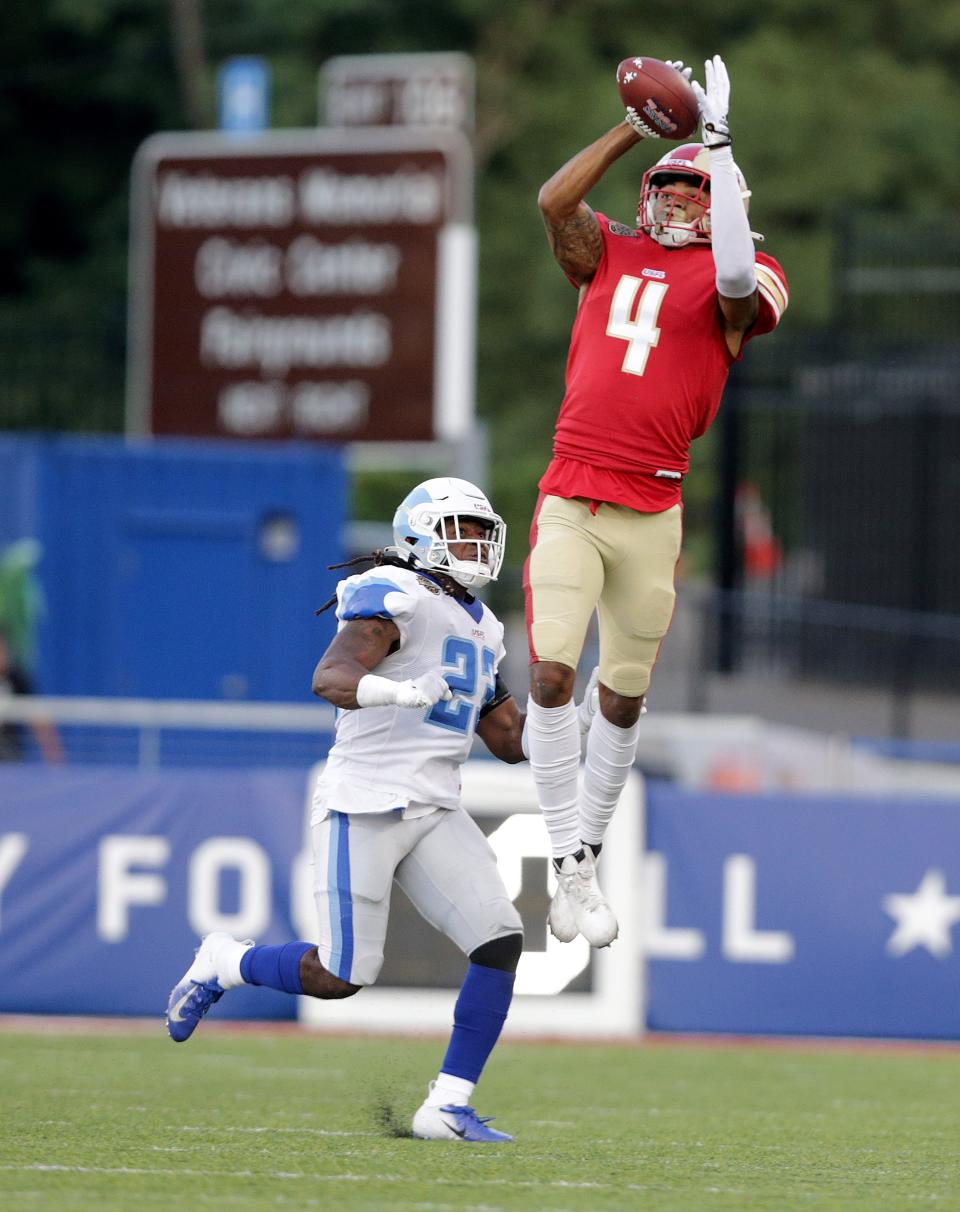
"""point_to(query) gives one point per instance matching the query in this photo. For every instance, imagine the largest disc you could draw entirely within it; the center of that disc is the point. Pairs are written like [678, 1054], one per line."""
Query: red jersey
[647, 366]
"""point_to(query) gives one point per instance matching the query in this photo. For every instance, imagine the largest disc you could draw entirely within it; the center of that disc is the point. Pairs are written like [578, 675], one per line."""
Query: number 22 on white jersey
[636, 323]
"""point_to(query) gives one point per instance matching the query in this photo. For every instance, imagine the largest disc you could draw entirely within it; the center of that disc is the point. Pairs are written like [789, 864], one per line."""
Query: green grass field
[259, 1121]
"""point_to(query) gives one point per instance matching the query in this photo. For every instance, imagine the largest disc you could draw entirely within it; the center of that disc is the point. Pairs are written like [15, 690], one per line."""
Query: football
[659, 95]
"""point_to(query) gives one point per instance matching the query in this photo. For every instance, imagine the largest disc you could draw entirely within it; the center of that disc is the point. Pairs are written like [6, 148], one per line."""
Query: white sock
[553, 737]
[227, 959]
[450, 1090]
[610, 754]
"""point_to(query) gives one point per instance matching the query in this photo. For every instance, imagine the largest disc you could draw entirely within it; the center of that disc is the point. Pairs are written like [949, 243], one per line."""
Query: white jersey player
[413, 669]
[388, 758]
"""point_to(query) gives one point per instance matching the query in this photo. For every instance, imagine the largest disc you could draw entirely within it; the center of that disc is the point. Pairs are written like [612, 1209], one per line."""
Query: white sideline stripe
[46, 1168]
[298, 1131]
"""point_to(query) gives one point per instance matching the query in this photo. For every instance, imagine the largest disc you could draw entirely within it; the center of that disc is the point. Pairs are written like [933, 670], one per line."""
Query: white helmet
[690, 163]
[419, 529]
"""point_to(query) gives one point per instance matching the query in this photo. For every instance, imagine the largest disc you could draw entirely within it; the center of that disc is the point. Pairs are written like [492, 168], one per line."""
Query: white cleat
[199, 988]
[456, 1123]
[560, 918]
[205, 968]
[592, 915]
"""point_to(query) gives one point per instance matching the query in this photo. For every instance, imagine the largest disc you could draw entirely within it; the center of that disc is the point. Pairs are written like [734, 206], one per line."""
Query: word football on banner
[312, 284]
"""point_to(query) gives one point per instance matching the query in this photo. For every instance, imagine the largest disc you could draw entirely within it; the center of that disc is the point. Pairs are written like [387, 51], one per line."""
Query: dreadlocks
[379, 557]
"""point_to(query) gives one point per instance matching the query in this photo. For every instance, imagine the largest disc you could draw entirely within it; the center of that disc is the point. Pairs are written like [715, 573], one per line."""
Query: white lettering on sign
[202, 200]
[329, 407]
[352, 267]
[13, 846]
[327, 196]
[252, 407]
[207, 863]
[661, 941]
[275, 344]
[432, 101]
[119, 887]
[224, 267]
[353, 104]
[741, 941]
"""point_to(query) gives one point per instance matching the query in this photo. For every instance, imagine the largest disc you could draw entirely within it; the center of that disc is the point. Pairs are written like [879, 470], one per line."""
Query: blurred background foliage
[837, 109]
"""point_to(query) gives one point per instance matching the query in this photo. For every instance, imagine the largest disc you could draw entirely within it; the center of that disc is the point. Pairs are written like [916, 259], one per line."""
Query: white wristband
[375, 691]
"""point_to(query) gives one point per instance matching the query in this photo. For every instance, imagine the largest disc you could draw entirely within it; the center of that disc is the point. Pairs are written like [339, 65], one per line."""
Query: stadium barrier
[753, 912]
[150, 733]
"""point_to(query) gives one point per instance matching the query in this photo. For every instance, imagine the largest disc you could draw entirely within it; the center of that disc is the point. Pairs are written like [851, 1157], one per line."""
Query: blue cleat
[197, 990]
[455, 1123]
[188, 1003]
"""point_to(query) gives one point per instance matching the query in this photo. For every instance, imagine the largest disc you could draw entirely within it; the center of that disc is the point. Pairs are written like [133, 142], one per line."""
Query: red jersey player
[664, 312]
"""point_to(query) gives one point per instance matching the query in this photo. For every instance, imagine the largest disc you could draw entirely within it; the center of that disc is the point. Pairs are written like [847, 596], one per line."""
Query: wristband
[375, 691]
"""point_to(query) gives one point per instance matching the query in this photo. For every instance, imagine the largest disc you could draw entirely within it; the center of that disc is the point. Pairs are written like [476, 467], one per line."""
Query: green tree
[837, 109]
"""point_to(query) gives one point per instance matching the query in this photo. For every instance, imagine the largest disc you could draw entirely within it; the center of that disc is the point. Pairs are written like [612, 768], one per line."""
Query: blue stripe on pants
[340, 898]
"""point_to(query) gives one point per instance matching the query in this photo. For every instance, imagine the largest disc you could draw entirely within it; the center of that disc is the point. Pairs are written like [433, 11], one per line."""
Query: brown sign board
[431, 89]
[314, 284]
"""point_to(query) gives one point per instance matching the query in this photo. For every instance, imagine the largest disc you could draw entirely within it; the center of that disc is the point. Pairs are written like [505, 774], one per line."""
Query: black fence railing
[786, 640]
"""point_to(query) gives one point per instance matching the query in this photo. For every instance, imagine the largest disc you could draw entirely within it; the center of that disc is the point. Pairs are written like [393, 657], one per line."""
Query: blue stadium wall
[779, 915]
[175, 568]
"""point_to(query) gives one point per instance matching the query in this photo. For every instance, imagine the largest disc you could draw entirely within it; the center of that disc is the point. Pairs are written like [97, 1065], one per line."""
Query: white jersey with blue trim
[385, 758]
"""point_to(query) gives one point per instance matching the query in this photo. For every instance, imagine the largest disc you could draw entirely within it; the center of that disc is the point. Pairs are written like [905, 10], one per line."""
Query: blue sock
[478, 1019]
[275, 967]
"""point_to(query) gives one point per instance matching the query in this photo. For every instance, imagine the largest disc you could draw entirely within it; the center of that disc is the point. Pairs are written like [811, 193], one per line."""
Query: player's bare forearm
[572, 227]
[738, 316]
[501, 730]
[354, 651]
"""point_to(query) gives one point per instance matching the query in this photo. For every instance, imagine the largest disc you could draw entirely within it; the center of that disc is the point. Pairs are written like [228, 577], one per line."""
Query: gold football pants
[618, 562]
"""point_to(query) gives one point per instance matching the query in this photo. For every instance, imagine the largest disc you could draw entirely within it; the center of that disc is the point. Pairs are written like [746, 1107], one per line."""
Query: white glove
[588, 705]
[424, 691]
[714, 102]
[639, 125]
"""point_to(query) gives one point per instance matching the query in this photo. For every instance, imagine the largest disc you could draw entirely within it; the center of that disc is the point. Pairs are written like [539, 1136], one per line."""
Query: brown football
[661, 97]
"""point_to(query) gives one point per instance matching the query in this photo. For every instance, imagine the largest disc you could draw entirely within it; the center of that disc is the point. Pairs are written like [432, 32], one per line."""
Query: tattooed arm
[572, 227]
[353, 652]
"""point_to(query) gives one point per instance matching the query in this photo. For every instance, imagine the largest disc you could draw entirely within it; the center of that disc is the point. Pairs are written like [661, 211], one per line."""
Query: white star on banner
[924, 918]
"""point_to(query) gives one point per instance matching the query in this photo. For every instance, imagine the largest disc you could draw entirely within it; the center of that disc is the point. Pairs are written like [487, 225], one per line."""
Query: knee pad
[503, 953]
